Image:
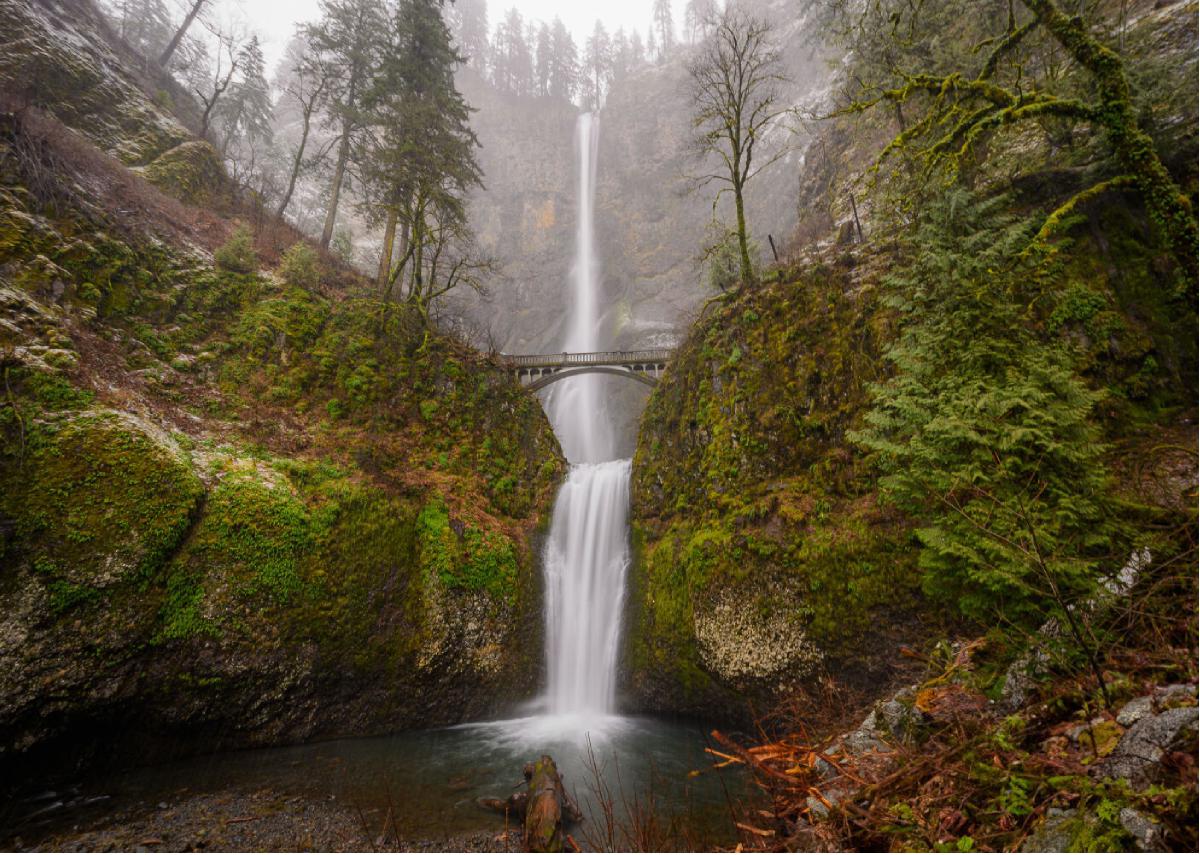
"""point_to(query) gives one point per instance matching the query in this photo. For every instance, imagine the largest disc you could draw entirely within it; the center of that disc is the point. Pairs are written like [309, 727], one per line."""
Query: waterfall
[588, 550]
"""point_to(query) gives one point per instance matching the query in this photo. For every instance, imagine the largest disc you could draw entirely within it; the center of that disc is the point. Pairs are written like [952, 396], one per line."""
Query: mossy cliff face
[763, 558]
[53, 53]
[236, 511]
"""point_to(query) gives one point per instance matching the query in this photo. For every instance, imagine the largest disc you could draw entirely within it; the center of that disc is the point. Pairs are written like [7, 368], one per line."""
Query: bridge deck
[572, 360]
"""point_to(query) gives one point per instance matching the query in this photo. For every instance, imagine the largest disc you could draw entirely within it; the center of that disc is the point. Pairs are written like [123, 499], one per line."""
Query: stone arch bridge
[537, 371]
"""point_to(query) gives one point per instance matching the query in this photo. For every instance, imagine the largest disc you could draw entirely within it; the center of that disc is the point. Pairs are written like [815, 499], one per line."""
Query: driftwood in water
[542, 805]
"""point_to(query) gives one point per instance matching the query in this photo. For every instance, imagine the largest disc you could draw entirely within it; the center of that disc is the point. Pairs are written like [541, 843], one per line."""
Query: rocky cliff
[763, 561]
[238, 503]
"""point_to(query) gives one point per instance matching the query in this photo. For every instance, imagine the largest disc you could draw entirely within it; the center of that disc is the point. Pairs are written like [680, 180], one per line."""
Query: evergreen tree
[512, 60]
[652, 54]
[423, 163]
[698, 16]
[469, 24]
[346, 48]
[597, 63]
[664, 25]
[621, 61]
[145, 25]
[543, 60]
[564, 62]
[637, 52]
[246, 110]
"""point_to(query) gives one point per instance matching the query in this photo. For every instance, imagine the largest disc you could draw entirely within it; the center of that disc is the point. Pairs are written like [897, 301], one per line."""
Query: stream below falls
[430, 780]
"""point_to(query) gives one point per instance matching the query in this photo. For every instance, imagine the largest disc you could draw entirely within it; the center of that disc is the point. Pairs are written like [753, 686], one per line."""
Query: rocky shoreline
[254, 820]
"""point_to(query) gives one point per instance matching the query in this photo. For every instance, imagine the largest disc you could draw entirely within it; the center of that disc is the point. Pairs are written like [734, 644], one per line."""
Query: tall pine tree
[564, 62]
[245, 112]
[346, 47]
[423, 163]
[664, 27]
[468, 21]
[597, 63]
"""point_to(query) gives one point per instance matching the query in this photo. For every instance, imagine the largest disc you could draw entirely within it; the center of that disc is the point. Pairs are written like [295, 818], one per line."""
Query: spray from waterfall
[588, 549]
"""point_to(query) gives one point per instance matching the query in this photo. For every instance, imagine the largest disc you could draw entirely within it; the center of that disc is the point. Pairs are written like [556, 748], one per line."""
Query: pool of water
[431, 779]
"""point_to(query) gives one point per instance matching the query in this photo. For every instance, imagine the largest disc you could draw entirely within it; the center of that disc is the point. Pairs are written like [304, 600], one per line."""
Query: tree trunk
[335, 191]
[545, 807]
[743, 240]
[296, 161]
[389, 243]
[541, 806]
[169, 50]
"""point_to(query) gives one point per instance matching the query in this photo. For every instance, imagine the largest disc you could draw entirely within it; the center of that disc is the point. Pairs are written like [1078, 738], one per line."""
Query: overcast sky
[275, 20]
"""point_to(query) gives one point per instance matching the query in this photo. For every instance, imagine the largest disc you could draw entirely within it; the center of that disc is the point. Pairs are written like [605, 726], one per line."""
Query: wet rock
[1147, 833]
[1022, 676]
[1137, 757]
[897, 717]
[1175, 695]
[1054, 834]
[1135, 711]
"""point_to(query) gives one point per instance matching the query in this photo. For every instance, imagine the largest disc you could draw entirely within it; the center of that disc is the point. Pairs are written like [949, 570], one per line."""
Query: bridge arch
[538, 370]
[546, 379]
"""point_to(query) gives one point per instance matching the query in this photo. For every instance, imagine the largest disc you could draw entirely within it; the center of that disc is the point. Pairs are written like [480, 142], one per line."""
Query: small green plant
[237, 254]
[342, 246]
[300, 266]
[724, 262]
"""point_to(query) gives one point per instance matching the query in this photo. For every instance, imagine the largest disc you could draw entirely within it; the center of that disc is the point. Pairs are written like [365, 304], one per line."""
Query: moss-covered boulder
[762, 557]
[155, 587]
[93, 502]
[191, 172]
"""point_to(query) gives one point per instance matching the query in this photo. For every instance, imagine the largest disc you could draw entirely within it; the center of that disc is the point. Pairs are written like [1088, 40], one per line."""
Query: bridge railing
[566, 360]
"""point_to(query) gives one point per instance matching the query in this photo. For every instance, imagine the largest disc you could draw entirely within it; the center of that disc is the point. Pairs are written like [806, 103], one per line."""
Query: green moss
[191, 172]
[743, 478]
[259, 533]
[180, 615]
[64, 595]
[463, 556]
[96, 498]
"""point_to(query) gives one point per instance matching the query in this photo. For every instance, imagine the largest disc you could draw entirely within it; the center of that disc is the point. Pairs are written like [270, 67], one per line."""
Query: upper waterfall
[577, 408]
[588, 550]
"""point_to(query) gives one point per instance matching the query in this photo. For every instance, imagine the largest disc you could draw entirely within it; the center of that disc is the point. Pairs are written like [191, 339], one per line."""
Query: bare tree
[960, 108]
[308, 88]
[736, 81]
[227, 47]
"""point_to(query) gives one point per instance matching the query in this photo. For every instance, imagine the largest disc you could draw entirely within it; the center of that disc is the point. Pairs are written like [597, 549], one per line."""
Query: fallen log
[542, 805]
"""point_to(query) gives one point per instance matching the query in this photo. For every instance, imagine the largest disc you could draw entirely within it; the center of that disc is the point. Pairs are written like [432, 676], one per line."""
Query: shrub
[984, 433]
[237, 254]
[725, 262]
[342, 246]
[299, 266]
